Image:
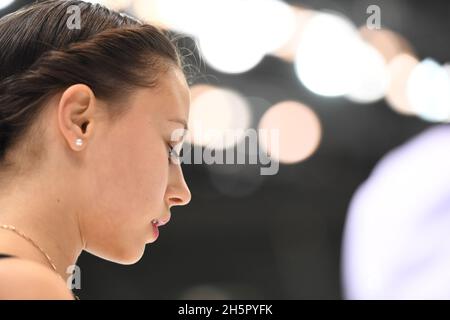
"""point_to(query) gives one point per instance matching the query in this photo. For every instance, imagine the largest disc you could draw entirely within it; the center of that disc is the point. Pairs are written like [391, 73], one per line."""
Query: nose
[177, 193]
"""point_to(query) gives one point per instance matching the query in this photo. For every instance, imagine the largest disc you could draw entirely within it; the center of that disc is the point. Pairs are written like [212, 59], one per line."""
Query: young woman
[87, 158]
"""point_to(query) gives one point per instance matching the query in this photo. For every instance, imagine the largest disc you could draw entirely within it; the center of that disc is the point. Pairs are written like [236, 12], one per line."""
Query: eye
[174, 156]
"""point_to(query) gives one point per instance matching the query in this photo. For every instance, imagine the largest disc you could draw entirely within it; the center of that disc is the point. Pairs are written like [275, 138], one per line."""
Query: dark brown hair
[40, 55]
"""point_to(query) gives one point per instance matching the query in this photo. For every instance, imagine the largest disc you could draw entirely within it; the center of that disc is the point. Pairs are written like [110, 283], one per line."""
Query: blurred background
[344, 81]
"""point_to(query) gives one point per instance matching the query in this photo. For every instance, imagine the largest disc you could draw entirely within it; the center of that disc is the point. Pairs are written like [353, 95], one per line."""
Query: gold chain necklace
[21, 234]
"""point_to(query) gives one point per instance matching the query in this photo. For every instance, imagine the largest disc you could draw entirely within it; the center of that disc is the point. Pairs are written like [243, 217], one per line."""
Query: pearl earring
[79, 142]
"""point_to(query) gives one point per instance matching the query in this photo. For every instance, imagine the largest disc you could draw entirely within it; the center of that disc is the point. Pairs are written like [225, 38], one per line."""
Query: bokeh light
[182, 16]
[218, 117]
[400, 68]
[387, 42]
[428, 91]
[447, 68]
[233, 36]
[229, 40]
[299, 132]
[5, 3]
[372, 76]
[325, 60]
[147, 10]
[277, 23]
[289, 50]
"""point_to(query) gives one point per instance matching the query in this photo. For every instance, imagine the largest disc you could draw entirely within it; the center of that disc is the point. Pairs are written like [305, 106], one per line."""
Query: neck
[42, 210]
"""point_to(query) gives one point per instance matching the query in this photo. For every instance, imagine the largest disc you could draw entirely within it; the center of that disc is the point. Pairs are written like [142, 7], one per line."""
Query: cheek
[131, 176]
[126, 183]
[148, 171]
[141, 170]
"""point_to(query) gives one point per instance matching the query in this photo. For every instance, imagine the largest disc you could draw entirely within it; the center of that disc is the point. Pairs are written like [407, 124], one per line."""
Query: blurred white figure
[397, 236]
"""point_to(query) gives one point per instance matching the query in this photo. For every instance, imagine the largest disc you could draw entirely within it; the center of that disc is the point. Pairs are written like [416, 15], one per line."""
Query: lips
[163, 221]
[155, 232]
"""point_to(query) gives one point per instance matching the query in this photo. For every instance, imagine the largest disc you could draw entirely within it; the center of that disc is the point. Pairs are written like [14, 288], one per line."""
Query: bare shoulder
[28, 280]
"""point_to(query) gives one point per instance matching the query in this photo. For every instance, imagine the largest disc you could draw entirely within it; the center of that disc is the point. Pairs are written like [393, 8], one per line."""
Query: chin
[128, 261]
[131, 256]
[124, 256]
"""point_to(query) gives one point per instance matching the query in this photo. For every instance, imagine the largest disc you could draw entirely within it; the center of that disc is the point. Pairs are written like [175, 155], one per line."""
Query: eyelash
[172, 153]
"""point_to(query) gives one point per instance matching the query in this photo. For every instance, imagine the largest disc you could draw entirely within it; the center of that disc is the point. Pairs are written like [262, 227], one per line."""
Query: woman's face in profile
[130, 177]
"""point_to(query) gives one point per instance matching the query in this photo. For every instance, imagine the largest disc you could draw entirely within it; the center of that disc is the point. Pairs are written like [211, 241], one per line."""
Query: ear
[75, 115]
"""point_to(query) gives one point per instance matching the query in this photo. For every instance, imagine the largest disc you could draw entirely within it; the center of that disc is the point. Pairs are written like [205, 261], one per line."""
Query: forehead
[173, 94]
